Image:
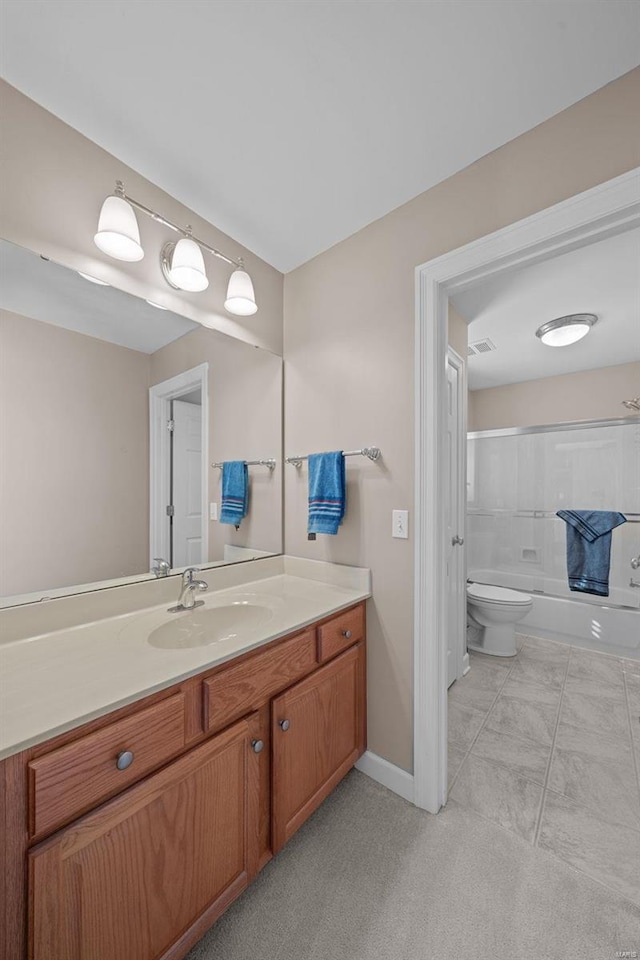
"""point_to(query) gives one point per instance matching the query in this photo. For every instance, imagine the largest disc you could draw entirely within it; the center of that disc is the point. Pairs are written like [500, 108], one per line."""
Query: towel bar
[373, 453]
[534, 514]
[254, 463]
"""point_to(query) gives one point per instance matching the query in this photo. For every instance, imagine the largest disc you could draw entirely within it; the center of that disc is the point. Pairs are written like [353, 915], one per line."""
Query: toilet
[492, 614]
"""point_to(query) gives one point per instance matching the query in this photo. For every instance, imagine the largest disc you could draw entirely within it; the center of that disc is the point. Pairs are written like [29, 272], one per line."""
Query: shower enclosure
[517, 479]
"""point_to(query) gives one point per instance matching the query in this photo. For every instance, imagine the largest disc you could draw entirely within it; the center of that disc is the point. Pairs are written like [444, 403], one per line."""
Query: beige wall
[588, 395]
[349, 327]
[245, 423]
[53, 183]
[74, 461]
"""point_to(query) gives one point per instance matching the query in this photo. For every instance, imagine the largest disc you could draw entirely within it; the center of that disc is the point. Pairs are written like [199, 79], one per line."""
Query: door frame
[460, 365]
[604, 210]
[160, 397]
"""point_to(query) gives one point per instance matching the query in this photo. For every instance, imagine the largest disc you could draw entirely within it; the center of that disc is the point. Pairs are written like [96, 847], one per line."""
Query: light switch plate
[400, 524]
[213, 511]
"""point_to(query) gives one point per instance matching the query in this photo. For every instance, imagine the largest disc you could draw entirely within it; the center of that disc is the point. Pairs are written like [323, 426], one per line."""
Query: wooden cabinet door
[318, 733]
[145, 875]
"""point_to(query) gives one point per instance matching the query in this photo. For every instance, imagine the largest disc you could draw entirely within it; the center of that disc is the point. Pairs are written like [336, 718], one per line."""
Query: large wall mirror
[113, 416]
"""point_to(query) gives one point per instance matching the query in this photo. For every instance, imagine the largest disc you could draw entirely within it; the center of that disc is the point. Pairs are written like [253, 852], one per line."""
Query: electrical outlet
[213, 511]
[400, 524]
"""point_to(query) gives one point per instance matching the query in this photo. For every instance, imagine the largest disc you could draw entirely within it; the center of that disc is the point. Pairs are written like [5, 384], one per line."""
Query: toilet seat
[486, 593]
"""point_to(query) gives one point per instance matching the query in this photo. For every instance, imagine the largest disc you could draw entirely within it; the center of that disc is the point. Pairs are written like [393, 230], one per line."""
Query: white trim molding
[460, 366]
[603, 211]
[393, 778]
[160, 396]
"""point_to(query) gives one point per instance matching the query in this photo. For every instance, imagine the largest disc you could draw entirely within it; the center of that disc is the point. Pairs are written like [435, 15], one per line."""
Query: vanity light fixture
[118, 235]
[183, 265]
[87, 276]
[241, 299]
[565, 330]
[182, 262]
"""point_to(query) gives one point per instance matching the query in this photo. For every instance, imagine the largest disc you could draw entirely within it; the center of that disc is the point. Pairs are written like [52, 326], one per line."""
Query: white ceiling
[45, 291]
[290, 125]
[602, 278]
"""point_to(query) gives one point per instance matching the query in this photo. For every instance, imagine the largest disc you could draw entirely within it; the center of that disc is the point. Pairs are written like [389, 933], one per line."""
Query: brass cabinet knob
[347, 634]
[124, 759]
[284, 725]
[257, 745]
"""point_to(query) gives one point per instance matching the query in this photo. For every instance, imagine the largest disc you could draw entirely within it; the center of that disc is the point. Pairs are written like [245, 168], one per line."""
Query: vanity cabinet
[317, 736]
[139, 872]
[107, 859]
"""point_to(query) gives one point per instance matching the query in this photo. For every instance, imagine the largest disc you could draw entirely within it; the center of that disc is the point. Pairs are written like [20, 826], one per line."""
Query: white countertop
[57, 681]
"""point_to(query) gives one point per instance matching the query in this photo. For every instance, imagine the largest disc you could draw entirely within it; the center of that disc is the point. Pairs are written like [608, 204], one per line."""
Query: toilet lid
[491, 594]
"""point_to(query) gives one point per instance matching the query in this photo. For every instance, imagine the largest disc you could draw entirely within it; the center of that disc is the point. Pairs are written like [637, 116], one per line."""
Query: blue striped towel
[327, 492]
[235, 492]
[589, 548]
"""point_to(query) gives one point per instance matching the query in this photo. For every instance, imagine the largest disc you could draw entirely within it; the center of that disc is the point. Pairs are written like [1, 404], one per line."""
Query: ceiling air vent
[480, 346]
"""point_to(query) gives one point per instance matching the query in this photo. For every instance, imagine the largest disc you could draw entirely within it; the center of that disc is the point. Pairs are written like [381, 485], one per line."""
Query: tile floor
[547, 745]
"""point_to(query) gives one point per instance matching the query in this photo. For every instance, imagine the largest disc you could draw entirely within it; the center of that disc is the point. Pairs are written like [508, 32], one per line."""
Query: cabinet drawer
[75, 778]
[244, 687]
[341, 632]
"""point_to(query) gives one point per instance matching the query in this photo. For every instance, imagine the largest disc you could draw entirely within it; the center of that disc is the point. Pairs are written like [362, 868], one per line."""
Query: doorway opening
[179, 469]
[606, 210]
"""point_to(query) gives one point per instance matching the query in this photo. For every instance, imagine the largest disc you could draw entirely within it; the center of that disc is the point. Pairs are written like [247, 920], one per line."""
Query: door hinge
[171, 510]
[171, 424]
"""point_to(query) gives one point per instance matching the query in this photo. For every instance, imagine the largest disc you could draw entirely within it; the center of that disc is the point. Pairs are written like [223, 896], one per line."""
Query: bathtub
[582, 620]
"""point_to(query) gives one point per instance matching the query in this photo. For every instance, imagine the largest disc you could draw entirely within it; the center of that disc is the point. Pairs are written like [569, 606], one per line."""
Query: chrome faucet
[161, 567]
[187, 599]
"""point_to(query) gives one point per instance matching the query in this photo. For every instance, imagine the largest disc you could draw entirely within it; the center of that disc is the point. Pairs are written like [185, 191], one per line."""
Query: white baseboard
[390, 776]
[466, 666]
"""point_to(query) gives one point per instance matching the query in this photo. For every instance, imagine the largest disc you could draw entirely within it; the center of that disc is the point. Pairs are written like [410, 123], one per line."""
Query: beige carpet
[370, 877]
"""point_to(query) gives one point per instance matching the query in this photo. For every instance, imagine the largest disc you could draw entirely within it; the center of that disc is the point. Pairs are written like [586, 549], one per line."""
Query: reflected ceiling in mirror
[112, 412]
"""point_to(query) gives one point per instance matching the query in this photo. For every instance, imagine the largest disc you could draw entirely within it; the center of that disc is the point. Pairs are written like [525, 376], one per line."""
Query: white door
[186, 465]
[455, 507]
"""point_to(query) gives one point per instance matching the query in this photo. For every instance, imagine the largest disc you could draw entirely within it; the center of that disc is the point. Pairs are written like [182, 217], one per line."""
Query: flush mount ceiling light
[87, 276]
[182, 262]
[565, 330]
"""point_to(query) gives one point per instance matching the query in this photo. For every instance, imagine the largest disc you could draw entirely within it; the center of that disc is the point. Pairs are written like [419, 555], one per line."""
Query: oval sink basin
[199, 628]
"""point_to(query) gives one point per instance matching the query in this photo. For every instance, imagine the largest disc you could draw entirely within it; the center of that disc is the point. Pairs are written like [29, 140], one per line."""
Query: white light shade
[87, 276]
[118, 234]
[563, 336]
[241, 299]
[187, 267]
[566, 330]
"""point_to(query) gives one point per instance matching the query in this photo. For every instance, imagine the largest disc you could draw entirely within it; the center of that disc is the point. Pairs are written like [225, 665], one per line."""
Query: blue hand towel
[327, 492]
[235, 492]
[589, 548]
